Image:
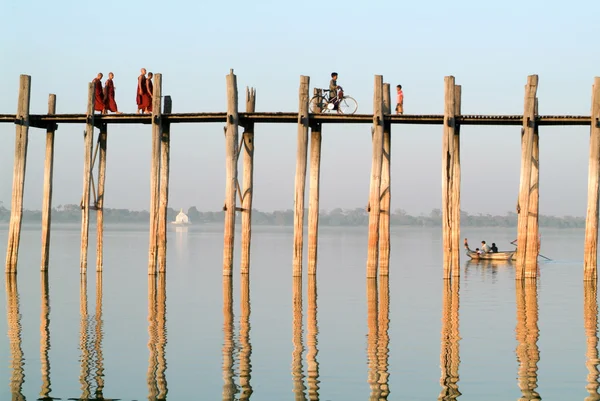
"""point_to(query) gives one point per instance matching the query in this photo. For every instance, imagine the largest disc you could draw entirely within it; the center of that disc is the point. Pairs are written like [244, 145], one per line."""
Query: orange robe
[98, 95]
[109, 98]
[150, 93]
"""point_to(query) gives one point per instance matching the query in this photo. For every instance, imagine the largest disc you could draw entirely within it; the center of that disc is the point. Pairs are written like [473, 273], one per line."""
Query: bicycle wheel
[317, 104]
[347, 105]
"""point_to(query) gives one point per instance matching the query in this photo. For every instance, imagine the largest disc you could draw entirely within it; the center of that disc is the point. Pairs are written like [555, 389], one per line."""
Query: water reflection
[377, 338]
[229, 386]
[590, 319]
[297, 369]
[245, 346]
[528, 354]
[157, 337]
[312, 331]
[14, 336]
[449, 353]
[45, 339]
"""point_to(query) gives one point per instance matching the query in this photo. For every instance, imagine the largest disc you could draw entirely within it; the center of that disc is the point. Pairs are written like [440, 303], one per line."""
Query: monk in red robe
[109, 94]
[150, 90]
[98, 94]
[142, 98]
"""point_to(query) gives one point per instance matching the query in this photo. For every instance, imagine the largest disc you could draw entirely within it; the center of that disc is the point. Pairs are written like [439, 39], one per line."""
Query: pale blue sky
[489, 48]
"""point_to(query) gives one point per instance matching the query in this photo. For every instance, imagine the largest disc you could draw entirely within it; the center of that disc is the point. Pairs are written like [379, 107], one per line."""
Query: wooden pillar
[590, 258]
[312, 331]
[102, 137]
[45, 338]
[534, 209]
[451, 179]
[248, 182]
[590, 319]
[48, 172]
[300, 181]
[157, 129]
[297, 372]
[88, 146]
[527, 145]
[245, 346]
[384, 217]
[314, 189]
[16, 207]
[231, 144]
[165, 159]
[375, 186]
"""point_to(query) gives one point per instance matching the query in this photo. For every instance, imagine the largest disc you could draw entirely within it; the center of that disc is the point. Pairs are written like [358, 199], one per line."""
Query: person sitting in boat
[494, 248]
[477, 251]
[485, 248]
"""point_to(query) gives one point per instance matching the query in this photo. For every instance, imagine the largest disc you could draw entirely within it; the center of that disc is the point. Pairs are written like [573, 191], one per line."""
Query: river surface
[194, 335]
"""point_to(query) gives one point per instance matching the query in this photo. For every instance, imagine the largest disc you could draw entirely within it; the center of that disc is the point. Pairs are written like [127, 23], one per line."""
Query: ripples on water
[304, 369]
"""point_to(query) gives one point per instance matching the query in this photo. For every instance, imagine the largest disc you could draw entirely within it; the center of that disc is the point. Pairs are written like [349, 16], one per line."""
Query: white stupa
[181, 219]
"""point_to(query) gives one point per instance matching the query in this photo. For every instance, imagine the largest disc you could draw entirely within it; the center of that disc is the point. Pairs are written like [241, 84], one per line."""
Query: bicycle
[324, 104]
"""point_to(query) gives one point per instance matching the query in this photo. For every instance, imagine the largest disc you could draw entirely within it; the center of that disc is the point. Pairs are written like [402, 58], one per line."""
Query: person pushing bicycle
[333, 90]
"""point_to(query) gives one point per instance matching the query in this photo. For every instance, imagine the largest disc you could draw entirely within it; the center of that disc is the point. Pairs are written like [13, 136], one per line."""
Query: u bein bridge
[379, 196]
[237, 383]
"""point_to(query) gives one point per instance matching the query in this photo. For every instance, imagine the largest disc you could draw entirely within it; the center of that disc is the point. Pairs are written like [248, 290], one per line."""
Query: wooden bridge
[379, 199]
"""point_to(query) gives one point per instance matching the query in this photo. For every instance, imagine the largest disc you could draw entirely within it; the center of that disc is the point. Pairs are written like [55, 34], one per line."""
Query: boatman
[484, 247]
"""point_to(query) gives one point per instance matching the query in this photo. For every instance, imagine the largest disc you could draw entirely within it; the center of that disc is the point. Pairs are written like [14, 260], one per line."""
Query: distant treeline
[335, 217]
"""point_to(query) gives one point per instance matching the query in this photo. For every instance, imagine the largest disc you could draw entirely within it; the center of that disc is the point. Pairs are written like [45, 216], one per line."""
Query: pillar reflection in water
[449, 350]
[528, 354]
[84, 377]
[157, 337]
[297, 371]
[14, 337]
[590, 318]
[45, 339]
[383, 339]
[245, 346]
[229, 387]
[312, 331]
[98, 340]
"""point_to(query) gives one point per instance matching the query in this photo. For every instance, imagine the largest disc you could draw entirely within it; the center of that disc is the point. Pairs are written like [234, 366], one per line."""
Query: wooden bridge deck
[42, 120]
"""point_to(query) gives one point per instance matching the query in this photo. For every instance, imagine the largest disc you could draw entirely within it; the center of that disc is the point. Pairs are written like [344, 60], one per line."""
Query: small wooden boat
[501, 255]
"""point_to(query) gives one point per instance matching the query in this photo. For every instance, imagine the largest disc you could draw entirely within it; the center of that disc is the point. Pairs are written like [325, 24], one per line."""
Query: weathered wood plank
[248, 182]
[102, 138]
[455, 190]
[590, 257]
[231, 151]
[157, 128]
[88, 148]
[16, 207]
[384, 218]
[165, 159]
[300, 181]
[375, 184]
[47, 197]
[313, 196]
[527, 141]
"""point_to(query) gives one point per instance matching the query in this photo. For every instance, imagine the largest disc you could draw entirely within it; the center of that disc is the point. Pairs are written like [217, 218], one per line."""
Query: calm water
[193, 336]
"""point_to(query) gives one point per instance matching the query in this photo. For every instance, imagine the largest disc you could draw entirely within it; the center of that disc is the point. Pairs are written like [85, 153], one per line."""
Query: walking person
[99, 94]
[109, 95]
[399, 100]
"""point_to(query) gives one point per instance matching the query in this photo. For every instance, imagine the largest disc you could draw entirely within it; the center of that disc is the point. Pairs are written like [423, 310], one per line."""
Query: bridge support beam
[590, 261]
[248, 191]
[231, 152]
[384, 217]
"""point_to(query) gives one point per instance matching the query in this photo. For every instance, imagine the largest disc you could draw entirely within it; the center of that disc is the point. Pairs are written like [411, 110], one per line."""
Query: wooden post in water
[157, 129]
[229, 386]
[375, 186]
[88, 148]
[45, 337]
[245, 346]
[163, 204]
[372, 338]
[13, 317]
[16, 207]
[534, 209]
[383, 338]
[152, 338]
[98, 330]
[527, 331]
[102, 137]
[451, 179]
[48, 171]
[297, 372]
[231, 144]
[248, 182]
[312, 331]
[161, 328]
[313, 195]
[527, 145]
[300, 181]
[384, 217]
[590, 258]
[84, 340]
